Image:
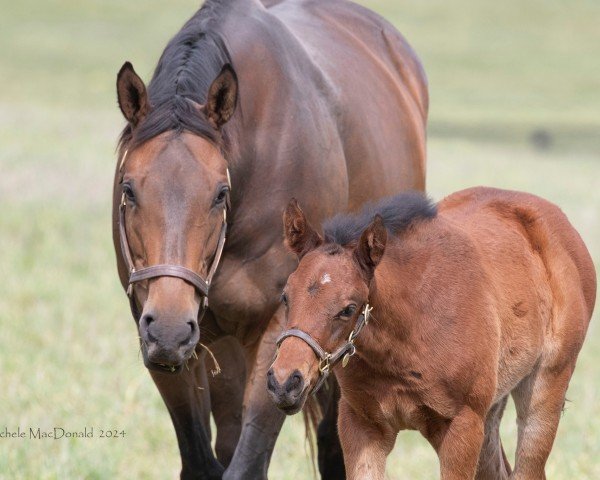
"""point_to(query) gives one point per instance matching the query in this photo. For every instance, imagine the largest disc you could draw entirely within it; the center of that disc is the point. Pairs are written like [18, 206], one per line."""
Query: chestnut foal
[488, 296]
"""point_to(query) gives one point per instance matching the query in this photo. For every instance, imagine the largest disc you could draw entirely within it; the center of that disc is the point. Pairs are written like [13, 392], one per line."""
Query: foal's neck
[391, 325]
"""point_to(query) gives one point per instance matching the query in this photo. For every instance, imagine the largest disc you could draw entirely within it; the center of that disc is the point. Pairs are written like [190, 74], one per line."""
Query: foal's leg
[458, 444]
[227, 395]
[365, 445]
[493, 464]
[539, 400]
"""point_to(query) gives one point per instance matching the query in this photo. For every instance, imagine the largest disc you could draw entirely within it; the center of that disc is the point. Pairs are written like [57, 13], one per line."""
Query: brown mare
[295, 98]
[490, 297]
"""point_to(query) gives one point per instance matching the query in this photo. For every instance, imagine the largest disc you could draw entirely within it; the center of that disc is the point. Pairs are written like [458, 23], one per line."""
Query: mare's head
[173, 178]
[324, 298]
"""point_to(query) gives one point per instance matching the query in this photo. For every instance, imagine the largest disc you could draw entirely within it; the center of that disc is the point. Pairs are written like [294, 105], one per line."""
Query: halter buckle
[324, 365]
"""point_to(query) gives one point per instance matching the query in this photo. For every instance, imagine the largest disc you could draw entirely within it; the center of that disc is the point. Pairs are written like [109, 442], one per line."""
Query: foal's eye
[347, 312]
[128, 191]
[284, 299]
[221, 196]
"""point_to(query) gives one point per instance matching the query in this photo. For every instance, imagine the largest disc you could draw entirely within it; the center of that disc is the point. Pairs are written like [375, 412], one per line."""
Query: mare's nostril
[145, 323]
[193, 326]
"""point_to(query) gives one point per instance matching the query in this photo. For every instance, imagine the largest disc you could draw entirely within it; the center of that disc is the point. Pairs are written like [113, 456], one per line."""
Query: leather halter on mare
[328, 360]
[167, 270]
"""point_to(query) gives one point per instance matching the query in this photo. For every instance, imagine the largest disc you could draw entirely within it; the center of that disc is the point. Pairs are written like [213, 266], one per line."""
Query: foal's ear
[131, 93]
[371, 246]
[300, 237]
[222, 97]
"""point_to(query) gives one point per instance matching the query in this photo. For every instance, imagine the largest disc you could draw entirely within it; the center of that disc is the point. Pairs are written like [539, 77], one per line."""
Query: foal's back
[552, 242]
[541, 274]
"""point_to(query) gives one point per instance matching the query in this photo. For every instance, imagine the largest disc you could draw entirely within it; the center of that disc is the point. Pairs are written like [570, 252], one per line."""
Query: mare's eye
[221, 196]
[128, 191]
[284, 299]
[347, 312]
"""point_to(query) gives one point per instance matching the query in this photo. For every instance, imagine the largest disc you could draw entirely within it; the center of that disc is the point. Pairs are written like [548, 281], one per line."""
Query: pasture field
[504, 77]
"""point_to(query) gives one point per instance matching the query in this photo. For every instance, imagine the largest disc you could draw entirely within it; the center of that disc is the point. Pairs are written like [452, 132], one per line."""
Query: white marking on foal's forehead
[326, 278]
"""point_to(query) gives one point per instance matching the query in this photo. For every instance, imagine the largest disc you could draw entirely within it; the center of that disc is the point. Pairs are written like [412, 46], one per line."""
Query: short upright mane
[185, 71]
[398, 213]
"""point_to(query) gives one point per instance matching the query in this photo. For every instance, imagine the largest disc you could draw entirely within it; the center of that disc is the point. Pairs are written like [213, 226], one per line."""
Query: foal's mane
[188, 65]
[398, 213]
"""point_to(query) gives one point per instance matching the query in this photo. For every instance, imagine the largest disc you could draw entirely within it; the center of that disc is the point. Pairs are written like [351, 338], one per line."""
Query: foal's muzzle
[289, 397]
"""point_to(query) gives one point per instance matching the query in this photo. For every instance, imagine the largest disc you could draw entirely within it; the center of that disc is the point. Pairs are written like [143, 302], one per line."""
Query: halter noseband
[167, 270]
[329, 360]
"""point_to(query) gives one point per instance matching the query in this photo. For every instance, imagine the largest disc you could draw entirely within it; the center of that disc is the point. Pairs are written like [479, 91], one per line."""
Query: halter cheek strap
[329, 360]
[167, 270]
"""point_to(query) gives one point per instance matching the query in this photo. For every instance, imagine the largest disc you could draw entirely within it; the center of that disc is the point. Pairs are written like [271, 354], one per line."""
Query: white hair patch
[326, 278]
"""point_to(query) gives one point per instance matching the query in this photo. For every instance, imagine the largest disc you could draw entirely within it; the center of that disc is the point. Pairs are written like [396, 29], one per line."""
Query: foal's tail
[312, 415]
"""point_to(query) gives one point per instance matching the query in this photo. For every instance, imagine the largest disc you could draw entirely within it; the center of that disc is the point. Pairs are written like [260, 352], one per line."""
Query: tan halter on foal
[168, 270]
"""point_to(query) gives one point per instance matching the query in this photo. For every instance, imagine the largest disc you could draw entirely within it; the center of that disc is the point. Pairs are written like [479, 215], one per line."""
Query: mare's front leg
[227, 395]
[331, 458]
[366, 445]
[262, 420]
[458, 443]
[187, 399]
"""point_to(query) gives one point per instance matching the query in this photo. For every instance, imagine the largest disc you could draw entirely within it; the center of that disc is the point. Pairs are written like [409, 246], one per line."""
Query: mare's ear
[371, 246]
[300, 237]
[222, 97]
[131, 93]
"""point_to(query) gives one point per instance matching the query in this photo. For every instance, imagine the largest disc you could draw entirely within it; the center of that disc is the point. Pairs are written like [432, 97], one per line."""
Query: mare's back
[376, 85]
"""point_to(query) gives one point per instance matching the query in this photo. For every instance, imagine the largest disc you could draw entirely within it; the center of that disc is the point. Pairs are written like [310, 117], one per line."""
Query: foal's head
[324, 298]
[175, 188]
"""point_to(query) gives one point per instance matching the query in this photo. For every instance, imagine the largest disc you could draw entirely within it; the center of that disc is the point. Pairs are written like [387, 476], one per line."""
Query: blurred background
[515, 103]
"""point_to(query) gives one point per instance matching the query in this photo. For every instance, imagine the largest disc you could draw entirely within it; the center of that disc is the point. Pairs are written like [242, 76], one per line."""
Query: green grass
[68, 347]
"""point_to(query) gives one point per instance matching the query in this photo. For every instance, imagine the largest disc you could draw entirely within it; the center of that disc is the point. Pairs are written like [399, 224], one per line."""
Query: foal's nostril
[272, 381]
[294, 383]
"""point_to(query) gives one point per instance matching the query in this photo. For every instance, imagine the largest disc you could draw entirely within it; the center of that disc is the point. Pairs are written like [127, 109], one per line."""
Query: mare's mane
[188, 65]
